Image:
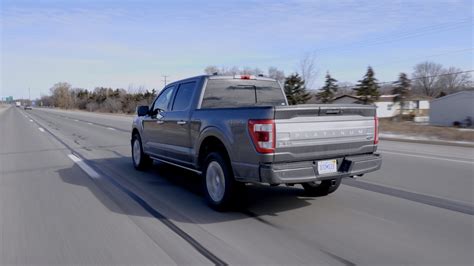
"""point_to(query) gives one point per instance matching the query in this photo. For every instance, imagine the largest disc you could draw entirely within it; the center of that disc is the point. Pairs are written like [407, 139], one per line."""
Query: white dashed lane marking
[86, 168]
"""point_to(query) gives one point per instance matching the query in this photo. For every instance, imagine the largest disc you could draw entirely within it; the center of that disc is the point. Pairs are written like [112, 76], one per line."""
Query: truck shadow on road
[177, 193]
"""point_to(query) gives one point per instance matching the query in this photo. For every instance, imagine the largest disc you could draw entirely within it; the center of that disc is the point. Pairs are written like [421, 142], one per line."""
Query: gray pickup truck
[240, 129]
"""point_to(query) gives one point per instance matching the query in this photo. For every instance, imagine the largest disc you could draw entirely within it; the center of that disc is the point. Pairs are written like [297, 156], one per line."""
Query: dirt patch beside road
[422, 130]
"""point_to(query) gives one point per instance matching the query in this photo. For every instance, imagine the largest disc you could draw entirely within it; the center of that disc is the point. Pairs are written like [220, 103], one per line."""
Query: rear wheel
[141, 161]
[219, 184]
[321, 188]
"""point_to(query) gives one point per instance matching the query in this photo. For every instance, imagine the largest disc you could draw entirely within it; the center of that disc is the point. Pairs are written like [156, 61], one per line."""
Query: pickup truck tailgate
[310, 132]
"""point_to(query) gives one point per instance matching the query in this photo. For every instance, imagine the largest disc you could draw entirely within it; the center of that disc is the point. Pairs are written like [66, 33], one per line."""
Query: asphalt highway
[70, 195]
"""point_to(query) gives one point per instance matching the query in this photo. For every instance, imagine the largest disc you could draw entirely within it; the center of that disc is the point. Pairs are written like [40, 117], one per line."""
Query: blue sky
[124, 44]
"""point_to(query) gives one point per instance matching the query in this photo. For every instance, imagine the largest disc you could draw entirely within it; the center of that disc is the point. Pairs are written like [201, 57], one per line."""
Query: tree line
[428, 79]
[100, 99]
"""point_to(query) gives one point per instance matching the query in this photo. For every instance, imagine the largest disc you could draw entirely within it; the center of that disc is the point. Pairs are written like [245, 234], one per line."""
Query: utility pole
[29, 96]
[165, 77]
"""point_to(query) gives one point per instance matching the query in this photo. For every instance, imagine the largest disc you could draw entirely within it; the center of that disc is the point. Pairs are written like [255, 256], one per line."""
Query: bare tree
[426, 78]
[251, 71]
[232, 71]
[211, 70]
[257, 71]
[345, 88]
[46, 100]
[61, 95]
[141, 89]
[307, 69]
[452, 80]
[277, 74]
[222, 70]
[386, 88]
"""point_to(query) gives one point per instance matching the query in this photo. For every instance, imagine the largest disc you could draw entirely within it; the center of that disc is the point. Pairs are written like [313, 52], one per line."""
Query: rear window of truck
[228, 93]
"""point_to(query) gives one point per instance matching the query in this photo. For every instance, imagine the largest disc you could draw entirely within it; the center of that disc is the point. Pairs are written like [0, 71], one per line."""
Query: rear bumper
[301, 172]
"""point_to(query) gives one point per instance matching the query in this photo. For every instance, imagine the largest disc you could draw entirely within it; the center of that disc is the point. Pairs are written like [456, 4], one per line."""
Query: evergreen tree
[368, 89]
[326, 94]
[401, 90]
[295, 90]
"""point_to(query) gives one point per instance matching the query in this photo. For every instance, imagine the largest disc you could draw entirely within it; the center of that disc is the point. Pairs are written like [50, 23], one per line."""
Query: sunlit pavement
[69, 194]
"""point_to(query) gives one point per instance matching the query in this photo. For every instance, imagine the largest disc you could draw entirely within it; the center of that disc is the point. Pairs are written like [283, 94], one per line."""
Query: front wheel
[141, 161]
[321, 188]
[219, 184]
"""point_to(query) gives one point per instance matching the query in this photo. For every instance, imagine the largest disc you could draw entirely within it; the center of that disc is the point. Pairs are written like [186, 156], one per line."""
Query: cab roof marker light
[244, 77]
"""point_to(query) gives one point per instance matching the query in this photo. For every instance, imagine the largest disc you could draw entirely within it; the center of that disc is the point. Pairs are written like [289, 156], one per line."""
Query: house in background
[346, 98]
[417, 106]
[456, 107]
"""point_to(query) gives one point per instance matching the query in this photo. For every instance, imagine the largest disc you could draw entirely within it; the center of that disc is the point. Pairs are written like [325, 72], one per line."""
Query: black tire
[231, 187]
[324, 188]
[144, 161]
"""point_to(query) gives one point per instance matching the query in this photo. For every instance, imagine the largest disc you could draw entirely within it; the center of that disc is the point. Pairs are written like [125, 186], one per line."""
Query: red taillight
[376, 130]
[245, 77]
[263, 133]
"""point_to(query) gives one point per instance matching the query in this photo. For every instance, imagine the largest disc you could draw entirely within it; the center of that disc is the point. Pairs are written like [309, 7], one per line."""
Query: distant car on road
[28, 107]
[240, 129]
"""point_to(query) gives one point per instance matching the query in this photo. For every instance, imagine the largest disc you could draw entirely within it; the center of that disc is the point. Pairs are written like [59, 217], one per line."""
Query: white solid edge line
[86, 168]
[427, 157]
[41, 129]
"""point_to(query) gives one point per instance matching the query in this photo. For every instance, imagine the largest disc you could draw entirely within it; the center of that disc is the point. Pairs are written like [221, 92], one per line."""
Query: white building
[416, 105]
[451, 108]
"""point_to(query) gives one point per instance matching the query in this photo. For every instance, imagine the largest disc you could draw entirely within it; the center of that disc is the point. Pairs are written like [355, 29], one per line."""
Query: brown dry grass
[421, 130]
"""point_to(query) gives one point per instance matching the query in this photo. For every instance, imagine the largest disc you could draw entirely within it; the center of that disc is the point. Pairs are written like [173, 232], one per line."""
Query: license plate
[327, 166]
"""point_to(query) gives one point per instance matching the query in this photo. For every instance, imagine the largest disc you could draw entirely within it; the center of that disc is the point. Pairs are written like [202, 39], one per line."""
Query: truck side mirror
[142, 110]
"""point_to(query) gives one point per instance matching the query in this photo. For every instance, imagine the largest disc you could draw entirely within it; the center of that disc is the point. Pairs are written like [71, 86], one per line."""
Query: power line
[424, 57]
[400, 36]
[433, 76]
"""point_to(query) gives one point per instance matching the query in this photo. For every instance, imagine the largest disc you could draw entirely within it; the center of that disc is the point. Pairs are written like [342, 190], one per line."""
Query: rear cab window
[184, 96]
[230, 93]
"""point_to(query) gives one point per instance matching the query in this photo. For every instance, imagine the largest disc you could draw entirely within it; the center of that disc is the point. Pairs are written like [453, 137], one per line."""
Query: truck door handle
[160, 121]
[181, 122]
